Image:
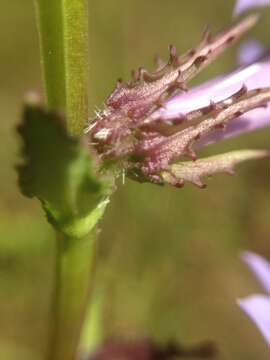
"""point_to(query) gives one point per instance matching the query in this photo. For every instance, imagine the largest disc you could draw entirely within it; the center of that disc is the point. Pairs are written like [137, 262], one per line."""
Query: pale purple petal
[254, 76]
[243, 5]
[260, 267]
[257, 307]
[254, 120]
[249, 52]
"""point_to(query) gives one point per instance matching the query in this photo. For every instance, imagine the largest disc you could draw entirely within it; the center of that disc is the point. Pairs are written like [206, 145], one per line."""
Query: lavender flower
[257, 307]
[150, 123]
[250, 51]
[243, 5]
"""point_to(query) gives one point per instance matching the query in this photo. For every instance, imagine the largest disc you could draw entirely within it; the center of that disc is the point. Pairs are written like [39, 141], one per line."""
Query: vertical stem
[92, 334]
[63, 33]
[75, 267]
[75, 25]
[50, 29]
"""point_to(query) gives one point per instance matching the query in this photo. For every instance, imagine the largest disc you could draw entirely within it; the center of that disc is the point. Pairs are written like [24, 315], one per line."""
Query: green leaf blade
[58, 170]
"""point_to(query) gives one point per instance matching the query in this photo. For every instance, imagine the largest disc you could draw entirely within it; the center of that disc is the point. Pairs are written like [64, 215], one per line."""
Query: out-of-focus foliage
[168, 257]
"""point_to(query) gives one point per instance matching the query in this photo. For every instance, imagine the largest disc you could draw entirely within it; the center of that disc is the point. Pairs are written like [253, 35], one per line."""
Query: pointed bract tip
[194, 171]
[119, 83]
[250, 20]
[172, 50]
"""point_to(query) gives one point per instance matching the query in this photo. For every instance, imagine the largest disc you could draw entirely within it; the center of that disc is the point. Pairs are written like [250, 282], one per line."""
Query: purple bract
[150, 124]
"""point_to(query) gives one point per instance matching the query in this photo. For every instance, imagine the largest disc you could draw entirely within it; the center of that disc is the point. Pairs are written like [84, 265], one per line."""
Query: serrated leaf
[59, 171]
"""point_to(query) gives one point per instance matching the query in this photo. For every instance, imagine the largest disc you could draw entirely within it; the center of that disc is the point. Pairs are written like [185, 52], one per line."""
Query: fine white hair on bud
[102, 134]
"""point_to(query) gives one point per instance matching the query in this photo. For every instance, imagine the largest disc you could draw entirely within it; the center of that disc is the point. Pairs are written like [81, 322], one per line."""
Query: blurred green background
[168, 259]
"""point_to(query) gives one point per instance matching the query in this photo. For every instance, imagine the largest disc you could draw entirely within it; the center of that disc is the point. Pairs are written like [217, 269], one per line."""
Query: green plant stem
[92, 334]
[63, 34]
[73, 284]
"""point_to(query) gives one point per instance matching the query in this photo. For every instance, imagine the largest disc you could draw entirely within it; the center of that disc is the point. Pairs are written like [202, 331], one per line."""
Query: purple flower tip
[243, 5]
[257, 307]
[249, 52]
[260, 267]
